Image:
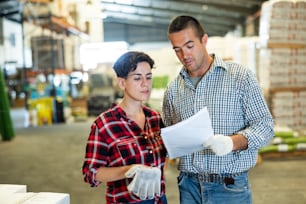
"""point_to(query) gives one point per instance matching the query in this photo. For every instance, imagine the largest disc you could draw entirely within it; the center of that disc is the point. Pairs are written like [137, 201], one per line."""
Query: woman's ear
[121, 83]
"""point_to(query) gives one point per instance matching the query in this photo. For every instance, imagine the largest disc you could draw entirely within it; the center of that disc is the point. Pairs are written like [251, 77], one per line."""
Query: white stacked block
[48, 198]
[13, 194]
[282, 68]
[13, 188]
[289, 109]
[283, 21]
[15, 198]
[245, 52]
[17, 194]
[34, 198]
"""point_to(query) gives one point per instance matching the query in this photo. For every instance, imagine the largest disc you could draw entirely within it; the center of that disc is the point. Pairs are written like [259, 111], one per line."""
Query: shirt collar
[120, 112]
[217, 63]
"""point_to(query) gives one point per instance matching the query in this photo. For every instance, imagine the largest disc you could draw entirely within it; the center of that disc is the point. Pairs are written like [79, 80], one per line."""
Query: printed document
[187, 136]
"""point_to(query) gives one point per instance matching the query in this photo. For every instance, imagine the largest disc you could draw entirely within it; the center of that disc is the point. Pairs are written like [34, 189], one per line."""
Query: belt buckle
[201, 177]
[229, 180]
[216, 178]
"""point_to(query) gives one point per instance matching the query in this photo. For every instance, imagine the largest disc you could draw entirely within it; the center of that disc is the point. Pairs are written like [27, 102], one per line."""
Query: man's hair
[182, 22]
[127, 62]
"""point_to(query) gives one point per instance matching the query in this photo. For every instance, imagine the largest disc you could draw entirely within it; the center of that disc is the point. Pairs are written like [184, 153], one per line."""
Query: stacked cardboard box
[282, 60]
[282, 67]
[289, 109]
[283, 21]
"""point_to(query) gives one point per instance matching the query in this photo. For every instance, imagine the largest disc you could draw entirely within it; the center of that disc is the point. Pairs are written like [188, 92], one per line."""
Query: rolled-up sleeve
[260, 127]
[93, 157]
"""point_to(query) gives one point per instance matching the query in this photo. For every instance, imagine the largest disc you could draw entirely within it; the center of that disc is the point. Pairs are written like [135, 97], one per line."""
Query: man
[240, 118]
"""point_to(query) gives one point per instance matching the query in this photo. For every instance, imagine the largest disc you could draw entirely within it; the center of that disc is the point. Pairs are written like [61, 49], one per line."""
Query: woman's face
[138, 84]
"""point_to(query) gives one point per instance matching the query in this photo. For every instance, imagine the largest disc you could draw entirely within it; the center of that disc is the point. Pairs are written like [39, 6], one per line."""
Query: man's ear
[205, 39]
[121, 83]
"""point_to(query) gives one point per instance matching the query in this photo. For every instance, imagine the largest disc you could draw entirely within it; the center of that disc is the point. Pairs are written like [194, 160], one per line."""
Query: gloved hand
[146, 182]
[219, 144]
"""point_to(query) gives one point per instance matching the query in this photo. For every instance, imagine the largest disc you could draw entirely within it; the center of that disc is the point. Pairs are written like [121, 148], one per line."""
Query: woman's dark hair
[127, 62]
[182, 22]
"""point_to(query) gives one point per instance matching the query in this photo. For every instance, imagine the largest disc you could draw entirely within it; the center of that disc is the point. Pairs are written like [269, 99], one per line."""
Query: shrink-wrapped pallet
[283, 21]
[289, 109]
[282, 68]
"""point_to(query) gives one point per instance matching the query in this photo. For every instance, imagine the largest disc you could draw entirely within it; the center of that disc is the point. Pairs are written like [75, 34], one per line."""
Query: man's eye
[137, 78]
[190, 46]
[149, 77]
[177, 49]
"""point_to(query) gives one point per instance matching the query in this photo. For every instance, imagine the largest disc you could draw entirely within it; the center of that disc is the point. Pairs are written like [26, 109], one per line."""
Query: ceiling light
[127, 2]
[204, 7]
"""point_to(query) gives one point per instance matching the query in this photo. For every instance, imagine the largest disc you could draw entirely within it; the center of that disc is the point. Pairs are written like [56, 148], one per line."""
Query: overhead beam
[170, 5]
[152, 20]
[164, 11]
[167, 13]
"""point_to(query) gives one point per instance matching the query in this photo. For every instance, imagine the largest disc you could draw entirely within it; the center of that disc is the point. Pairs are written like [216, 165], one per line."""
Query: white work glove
[146, 182]
[219, 144]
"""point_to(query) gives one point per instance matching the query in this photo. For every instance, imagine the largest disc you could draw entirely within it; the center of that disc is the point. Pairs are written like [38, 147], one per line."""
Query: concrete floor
[49, 159]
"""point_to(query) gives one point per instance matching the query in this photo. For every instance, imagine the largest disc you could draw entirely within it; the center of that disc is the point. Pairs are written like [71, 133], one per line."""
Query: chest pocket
[129, 150]
[156, 149]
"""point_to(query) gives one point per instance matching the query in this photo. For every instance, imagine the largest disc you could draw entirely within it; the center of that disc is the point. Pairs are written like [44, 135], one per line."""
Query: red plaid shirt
[115, 140]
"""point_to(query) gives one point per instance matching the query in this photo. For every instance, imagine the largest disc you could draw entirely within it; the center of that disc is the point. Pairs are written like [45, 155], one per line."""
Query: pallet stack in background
[286, 142]
[283, 22]
[282, 70]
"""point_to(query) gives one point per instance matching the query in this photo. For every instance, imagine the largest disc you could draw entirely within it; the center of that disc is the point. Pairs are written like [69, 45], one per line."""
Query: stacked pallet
[282, 22]
[282, 61]
[285, 143]
[282, 67]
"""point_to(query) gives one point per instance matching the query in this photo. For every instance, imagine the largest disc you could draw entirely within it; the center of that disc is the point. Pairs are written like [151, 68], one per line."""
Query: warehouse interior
[56, 76]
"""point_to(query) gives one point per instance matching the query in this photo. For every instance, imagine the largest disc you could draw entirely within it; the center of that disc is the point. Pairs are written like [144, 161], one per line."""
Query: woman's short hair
[127, 62]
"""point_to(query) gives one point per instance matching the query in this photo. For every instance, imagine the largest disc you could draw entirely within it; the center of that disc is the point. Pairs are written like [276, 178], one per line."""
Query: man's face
[189, 49]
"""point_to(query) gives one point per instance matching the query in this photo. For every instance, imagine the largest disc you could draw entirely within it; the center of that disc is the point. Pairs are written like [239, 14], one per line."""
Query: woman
[124, 147]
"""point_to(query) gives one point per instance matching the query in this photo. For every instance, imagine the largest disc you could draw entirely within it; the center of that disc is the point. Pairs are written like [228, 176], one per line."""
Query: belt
[213, 178]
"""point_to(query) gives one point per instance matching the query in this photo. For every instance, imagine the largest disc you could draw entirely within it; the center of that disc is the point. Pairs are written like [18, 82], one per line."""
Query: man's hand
[146, 182]
[219, 144]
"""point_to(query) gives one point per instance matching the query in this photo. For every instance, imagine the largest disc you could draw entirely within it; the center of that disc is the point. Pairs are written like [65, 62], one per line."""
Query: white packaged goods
[289, 109]
[12, 188]
[245, 52]
[15, 198]
[282, 67]
[35, 198]
[282, 21]
[17, 194]
[48, 198]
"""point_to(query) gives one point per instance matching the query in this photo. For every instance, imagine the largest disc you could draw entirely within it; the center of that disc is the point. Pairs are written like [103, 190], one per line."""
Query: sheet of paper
[188, 135]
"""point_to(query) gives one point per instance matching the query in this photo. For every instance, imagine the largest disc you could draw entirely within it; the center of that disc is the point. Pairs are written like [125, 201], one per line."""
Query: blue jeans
[163, 199]
[193, 191]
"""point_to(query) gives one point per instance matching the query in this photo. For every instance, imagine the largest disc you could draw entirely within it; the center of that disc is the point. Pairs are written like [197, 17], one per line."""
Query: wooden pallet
[282, 155]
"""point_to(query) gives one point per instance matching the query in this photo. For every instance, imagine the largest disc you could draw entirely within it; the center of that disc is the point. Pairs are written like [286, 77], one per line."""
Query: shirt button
[146, 137]
[150, 151]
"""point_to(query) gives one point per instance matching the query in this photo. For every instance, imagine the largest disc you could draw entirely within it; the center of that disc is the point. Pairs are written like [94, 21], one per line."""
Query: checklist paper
[187, 136]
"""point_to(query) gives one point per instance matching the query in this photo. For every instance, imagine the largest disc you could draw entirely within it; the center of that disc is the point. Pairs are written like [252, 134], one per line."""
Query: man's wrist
[240, 142]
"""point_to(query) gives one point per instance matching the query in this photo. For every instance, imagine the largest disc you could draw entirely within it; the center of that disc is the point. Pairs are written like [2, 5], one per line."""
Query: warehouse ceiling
[147, 20]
